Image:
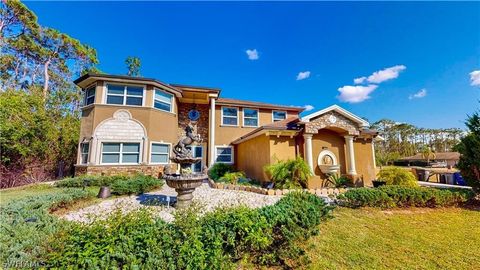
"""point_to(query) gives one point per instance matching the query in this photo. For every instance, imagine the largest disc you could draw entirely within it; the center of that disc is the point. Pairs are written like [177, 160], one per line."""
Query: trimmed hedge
[120, 184]
[135, 185]
[216, 240]
[399, 196]
[90, 181]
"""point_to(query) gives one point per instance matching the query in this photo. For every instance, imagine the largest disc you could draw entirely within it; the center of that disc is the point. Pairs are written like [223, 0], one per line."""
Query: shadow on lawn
[156, 200]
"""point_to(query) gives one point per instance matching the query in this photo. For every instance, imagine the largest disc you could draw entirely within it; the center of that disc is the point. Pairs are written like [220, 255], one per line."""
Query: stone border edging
[276, 192]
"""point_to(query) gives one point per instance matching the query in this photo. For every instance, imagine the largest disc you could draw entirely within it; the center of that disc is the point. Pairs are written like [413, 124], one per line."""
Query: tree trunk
[46, 78]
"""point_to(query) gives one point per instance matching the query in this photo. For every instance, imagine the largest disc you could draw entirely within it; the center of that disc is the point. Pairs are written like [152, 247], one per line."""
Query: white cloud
[386, 74]
[359, 80]
[381, 75]
[308, 108]
[420, 94]
[357, 93]
[303, 75]
[252, 54]
[475, 78]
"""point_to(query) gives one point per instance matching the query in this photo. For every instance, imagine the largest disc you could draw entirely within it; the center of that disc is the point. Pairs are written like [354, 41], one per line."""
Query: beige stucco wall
[281, 148]
[332, 141]
[364, 162]
[252, 155]
[224, 135]
[160, 126]
[335, 142]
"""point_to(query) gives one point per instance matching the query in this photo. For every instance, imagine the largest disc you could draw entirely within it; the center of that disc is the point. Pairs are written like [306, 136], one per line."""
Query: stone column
[308, 150]
[373, 154]
[146, 145]
[211, 142]
[350, 155]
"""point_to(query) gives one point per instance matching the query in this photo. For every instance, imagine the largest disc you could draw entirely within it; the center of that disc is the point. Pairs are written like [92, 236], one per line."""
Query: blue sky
[412, 61]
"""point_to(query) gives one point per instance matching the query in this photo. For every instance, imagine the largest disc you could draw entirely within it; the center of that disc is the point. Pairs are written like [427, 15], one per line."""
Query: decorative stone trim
[322, 192]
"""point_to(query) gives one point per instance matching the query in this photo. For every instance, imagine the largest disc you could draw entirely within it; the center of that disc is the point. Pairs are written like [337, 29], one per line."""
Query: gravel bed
[205, 198]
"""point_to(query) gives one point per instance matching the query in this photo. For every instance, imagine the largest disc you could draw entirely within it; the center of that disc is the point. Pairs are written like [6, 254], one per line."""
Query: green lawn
[397, 239]
[7, 195]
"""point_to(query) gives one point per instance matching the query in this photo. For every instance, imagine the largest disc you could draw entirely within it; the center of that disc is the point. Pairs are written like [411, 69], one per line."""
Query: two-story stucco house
[129, 124]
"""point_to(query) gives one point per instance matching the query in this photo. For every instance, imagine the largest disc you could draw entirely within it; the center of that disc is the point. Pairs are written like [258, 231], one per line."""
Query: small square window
[162, 100]
[84, 149]
[224, 154]
[119, 153]
[229, 116]
[89, 95]
[279, 115]
[250, 117]
[124, 95]
[160, 153]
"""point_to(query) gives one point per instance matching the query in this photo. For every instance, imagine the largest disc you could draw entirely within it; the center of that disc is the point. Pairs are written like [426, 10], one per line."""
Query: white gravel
[206, 198]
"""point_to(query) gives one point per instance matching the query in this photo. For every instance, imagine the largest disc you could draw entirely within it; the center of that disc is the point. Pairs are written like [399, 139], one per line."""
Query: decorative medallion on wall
[193, 115]
[332, 119]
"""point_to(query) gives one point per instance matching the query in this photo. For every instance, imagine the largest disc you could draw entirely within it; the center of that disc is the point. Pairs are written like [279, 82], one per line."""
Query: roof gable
[340, 110]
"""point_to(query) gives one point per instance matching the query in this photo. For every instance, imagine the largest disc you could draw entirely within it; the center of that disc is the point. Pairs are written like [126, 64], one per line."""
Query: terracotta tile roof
[287, 124]
[369, 131]
[438, 156]
[231, 101]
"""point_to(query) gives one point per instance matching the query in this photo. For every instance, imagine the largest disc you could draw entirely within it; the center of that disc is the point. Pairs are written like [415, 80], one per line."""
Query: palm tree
[427, 153]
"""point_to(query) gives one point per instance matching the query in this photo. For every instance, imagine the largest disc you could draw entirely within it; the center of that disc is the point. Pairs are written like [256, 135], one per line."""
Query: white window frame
[227, 125]
[124, 95]
[94, 86]
[151, 152]
[171, 100]
[121, 153]
[82, 153]
[273, 115]
[244, 117]
[193, 149]
[225, 146]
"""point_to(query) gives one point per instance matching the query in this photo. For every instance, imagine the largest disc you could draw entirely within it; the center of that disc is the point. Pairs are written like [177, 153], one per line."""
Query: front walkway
[205, 197]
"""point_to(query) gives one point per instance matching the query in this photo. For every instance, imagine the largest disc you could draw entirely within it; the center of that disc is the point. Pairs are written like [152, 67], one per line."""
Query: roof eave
[126, 79]
[361, 122]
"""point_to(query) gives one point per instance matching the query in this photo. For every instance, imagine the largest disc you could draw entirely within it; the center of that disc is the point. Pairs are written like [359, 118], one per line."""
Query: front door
[197, 152]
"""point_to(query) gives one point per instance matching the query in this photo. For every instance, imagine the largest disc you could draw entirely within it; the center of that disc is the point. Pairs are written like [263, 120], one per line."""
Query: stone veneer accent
[323, 121]
[120, 127]
[153, 170]
[201, 123]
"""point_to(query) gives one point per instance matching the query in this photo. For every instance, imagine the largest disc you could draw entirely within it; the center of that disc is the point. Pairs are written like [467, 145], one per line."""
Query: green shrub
[218, 170]
[469, 149]
[292, 173]
[138, 184]
[26, 223]
[337, 180]
[216, 240]
[360, 197]
[120, 184]
[398, 176]
[90, 181]
[399, 196]
[231, 177]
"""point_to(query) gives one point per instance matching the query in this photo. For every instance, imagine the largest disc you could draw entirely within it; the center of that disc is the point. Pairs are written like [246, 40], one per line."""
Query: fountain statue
[186, 181]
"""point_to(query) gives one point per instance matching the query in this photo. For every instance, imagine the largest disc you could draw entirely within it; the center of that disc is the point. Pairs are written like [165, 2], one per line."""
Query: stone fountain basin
[185, 181]
[329, 169]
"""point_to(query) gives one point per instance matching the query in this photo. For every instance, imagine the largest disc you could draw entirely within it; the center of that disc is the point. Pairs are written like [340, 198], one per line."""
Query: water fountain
[186, 181]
